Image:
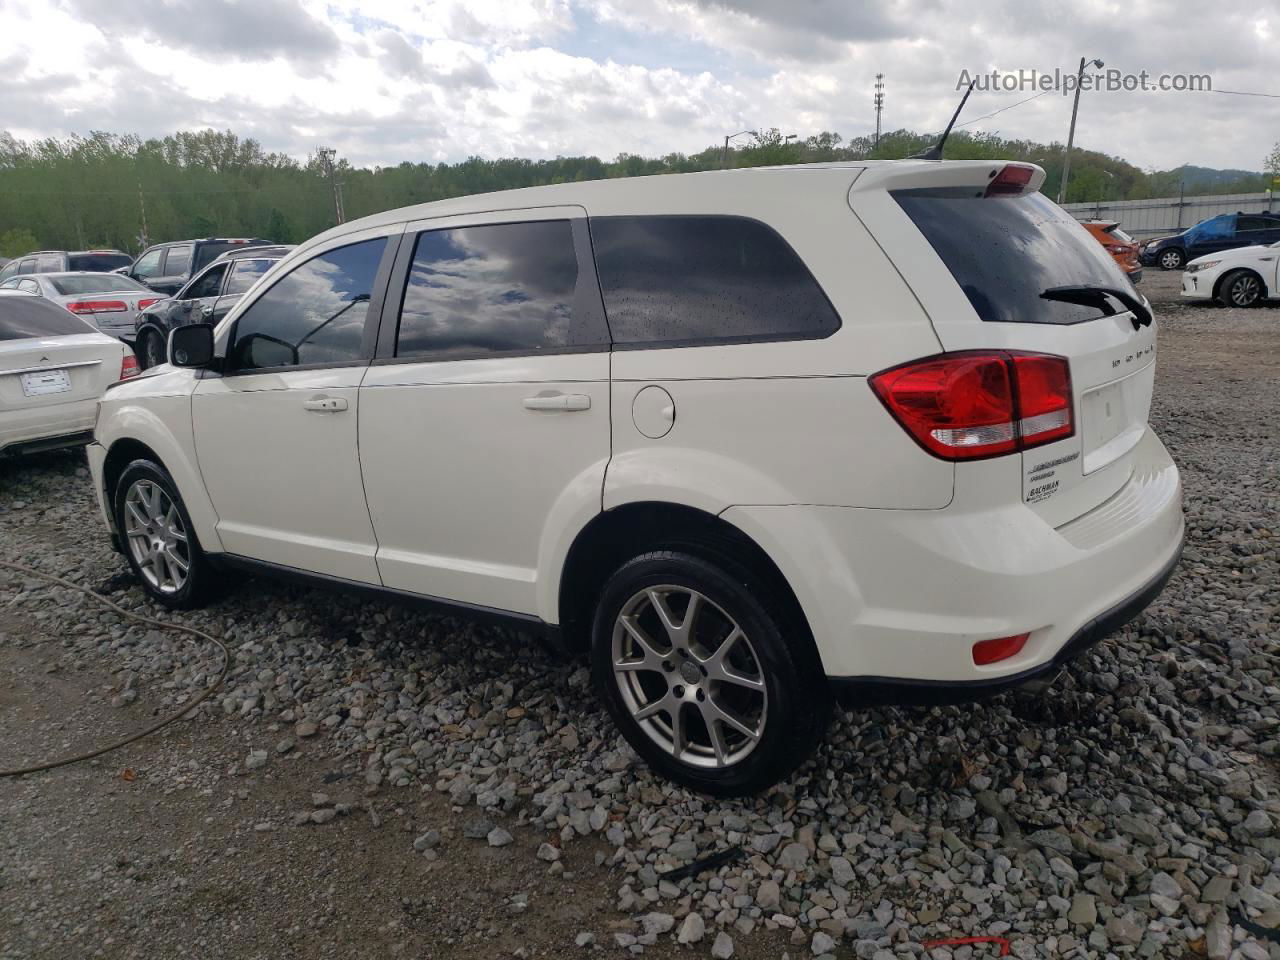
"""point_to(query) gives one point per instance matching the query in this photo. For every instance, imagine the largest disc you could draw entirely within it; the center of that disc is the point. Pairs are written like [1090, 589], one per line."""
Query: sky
[385, 81]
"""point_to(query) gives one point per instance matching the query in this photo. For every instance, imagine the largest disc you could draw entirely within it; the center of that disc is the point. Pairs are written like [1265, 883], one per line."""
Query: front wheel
[158, 539]
[1240, 288]
[707, 679]
[1172, 259]
[153, 350]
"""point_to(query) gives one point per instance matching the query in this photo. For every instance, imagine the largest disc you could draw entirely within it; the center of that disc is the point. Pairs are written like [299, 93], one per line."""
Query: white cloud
[439, 80]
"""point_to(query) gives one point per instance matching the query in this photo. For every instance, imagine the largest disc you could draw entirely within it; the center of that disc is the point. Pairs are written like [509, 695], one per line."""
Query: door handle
[325, 404]
[206, 310]
[559, 401]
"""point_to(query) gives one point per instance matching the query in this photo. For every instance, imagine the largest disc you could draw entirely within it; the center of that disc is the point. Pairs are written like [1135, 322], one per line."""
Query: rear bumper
[47, 427]
[887, 690]
[899, 597]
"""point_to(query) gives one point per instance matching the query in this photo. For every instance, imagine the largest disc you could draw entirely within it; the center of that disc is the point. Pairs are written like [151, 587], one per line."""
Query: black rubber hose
[159, 724]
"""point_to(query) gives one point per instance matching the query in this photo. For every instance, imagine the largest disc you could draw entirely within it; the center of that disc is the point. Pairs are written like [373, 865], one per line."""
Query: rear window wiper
[1088, 295]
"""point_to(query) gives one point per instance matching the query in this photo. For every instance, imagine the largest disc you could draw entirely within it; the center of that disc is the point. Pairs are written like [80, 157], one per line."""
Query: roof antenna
[935, 152]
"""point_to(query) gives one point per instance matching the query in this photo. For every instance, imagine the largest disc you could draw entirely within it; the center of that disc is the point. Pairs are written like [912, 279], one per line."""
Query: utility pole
[142, 208]
[879, 102]
[326, 155]
[1071, 134]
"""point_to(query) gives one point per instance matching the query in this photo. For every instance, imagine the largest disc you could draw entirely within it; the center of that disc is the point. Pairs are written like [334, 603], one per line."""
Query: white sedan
[1234, 278]
[53, 368]
[107, 300]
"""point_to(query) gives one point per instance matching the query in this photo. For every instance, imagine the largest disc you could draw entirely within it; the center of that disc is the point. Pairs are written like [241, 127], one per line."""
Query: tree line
[114, 190]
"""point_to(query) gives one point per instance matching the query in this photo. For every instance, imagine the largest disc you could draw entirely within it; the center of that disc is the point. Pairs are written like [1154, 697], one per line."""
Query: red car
[1122, 247]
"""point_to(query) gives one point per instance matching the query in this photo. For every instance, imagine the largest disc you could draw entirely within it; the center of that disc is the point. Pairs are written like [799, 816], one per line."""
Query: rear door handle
[325, 404]
[559, 401]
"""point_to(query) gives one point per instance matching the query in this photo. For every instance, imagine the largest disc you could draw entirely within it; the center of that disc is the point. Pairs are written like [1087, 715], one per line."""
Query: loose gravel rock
[1129, 810]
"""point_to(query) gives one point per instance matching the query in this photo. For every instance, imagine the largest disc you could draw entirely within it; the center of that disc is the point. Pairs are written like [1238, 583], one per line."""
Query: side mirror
[191, 345]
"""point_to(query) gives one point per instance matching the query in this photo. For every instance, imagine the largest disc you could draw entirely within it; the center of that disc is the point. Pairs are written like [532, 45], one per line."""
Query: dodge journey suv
[751, 439]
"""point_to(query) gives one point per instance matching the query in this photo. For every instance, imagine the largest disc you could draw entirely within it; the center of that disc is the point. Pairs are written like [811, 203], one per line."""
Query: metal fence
[1165, 215]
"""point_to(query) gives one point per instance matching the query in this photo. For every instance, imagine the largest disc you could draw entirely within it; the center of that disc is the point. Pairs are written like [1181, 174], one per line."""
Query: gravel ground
[373, 781]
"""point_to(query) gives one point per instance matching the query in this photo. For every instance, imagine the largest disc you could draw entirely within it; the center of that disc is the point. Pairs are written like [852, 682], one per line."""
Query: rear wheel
[159, 542]
[1240, 288]
[153, 350]
[1173, 259]
[705, 676]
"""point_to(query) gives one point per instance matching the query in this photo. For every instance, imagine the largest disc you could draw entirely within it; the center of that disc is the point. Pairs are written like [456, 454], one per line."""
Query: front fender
[163, 423]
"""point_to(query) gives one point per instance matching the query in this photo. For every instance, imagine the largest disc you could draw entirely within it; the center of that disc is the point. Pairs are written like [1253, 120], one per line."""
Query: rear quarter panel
[792, 422]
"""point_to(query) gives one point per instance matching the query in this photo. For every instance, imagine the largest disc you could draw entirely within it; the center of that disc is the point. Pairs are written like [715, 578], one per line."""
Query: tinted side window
[503, 287]
[27, 266]
[207, 285]
[313, 314]
[49, 263]
[244, 273]
[9, 270]
[178, 260]
[1244, 224]
[99, 262]
[689, 279]
[148, 264]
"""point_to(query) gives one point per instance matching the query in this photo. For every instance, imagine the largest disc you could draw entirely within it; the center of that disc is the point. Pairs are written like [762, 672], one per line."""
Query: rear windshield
[1120, 235]
[94, 283]
[98, 262]
[22, 318]
[1004, 251]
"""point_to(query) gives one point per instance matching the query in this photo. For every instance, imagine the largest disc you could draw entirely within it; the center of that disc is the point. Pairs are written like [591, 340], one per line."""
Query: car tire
[727, 704]
[1172, 259]
[157, 538]
[1240, 288]
[152, 352]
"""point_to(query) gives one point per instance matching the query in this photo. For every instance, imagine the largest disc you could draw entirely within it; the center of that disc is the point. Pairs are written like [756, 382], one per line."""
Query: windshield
[1005, 251]
[94, 283]
[104, 262]
[23, 318]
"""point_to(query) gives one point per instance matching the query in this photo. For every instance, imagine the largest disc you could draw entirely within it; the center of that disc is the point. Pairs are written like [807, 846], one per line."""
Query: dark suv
[62, 261]
[205, 298]
[1225, 232]
[167, 266]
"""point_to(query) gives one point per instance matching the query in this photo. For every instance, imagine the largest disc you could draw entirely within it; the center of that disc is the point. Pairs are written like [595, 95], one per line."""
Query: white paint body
[437, 478]
[91, 360]
[1201, 276]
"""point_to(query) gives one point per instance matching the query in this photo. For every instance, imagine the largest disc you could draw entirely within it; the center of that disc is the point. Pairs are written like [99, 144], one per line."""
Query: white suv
[751, 438]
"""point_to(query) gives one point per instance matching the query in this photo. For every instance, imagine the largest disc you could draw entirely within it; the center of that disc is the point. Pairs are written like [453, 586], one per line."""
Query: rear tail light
[976, 404]
[1002, 648]
[81, 307]
[129, 366]
[1012, 181]
[148, 301]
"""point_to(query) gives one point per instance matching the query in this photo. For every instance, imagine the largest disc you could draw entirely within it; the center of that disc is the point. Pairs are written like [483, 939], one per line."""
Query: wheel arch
[614, 536]
[135, 432]
[1221, 281]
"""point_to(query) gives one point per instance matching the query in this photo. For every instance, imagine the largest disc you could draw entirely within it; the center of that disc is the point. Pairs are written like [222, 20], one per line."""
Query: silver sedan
[107, 300]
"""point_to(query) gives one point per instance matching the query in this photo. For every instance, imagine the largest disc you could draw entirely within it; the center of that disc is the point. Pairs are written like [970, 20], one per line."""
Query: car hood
[1238, 255]
[1158, 240]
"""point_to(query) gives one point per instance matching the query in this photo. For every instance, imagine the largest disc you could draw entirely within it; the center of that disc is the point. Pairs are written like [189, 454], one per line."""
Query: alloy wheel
[689, 676]
[1244, 291]
[156, 536]
[1171, 260]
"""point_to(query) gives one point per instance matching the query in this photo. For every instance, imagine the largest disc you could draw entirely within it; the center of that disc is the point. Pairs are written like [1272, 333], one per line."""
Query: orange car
[1122, 247]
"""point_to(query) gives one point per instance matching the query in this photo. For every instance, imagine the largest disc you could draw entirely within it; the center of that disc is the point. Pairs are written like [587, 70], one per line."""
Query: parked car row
[1225, 232]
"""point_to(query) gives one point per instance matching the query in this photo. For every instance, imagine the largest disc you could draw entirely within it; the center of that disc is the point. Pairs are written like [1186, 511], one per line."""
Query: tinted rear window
[1005, 251]
[22, 318]
[98, 262]
[97, 283]
[689, 280]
